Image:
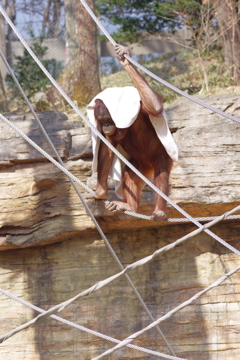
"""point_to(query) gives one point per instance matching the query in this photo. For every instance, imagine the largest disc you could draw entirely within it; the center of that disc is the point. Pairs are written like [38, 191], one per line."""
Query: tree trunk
[50, 27]
[10, 6]
[46, 17]
[228, 19]
[57, 5]
[3, 99]
[80, 78]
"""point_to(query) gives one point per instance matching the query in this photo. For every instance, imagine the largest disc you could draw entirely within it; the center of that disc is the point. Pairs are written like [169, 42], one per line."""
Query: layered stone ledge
[39, 206]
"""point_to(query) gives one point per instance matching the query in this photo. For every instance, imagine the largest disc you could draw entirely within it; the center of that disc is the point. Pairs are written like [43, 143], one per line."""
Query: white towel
[124, 105]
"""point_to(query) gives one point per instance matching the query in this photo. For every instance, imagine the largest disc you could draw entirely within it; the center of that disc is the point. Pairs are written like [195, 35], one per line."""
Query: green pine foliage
[30, 76]
[135, 17]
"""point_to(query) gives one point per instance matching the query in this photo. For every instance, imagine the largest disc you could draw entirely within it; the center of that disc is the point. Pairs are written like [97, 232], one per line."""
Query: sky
[32, 20]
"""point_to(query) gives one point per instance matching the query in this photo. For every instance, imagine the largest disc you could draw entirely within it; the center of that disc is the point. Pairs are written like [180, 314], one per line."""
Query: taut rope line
[134, 336]
[25, 137]
[155, 77]
[88, 210]
[83, 328]
[102, 283]
[184, 304]
[216, 237]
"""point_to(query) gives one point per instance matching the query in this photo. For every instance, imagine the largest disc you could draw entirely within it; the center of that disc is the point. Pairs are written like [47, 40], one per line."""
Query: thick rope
[230, 247]
[220, 114]
[70, 178]
[130, 213]
[202, 219]
[78, 181]
[89, 212]
[108, 280]
[83, 328]
[134, 336]
[172, 87]
[106, 142]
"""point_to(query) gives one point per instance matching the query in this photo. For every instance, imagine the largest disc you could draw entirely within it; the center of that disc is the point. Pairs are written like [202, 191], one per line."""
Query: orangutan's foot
[158, 215]
[100, 195]
[117, 206]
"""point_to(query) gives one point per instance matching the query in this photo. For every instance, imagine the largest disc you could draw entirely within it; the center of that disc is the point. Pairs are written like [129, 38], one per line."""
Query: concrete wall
[57, 47]
[154, 44]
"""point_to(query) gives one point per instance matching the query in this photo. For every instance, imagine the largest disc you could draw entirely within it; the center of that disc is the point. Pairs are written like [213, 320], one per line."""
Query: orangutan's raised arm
[152, 103]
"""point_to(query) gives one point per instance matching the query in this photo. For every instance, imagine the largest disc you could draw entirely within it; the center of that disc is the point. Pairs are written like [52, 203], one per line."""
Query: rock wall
[52, 250]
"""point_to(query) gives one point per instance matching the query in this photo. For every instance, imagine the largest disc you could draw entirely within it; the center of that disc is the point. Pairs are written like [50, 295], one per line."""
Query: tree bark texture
[80, 78]
[10, 6]
[3, 99]
[50, 27]
[228, 19]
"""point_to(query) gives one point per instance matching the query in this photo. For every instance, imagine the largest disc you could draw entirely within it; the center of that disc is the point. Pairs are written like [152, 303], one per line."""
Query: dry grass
[184, 71]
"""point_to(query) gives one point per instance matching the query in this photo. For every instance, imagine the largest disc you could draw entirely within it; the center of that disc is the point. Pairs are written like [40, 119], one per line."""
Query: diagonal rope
[202, 219]
[158, 79]
[230, 247]
[89, 212]
[134, 336]
[83, 328]
[216, 237]
[108, 280]
[161, 194]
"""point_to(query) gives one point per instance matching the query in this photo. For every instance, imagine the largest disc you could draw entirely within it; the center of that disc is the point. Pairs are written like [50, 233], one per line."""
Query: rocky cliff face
[52, 250]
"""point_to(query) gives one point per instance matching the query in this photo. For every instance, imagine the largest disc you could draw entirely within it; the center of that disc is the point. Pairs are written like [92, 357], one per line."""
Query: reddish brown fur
[140, 141]
[147, 154]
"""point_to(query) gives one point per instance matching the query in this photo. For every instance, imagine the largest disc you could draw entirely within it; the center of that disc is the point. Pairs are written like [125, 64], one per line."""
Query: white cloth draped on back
[124, 104]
